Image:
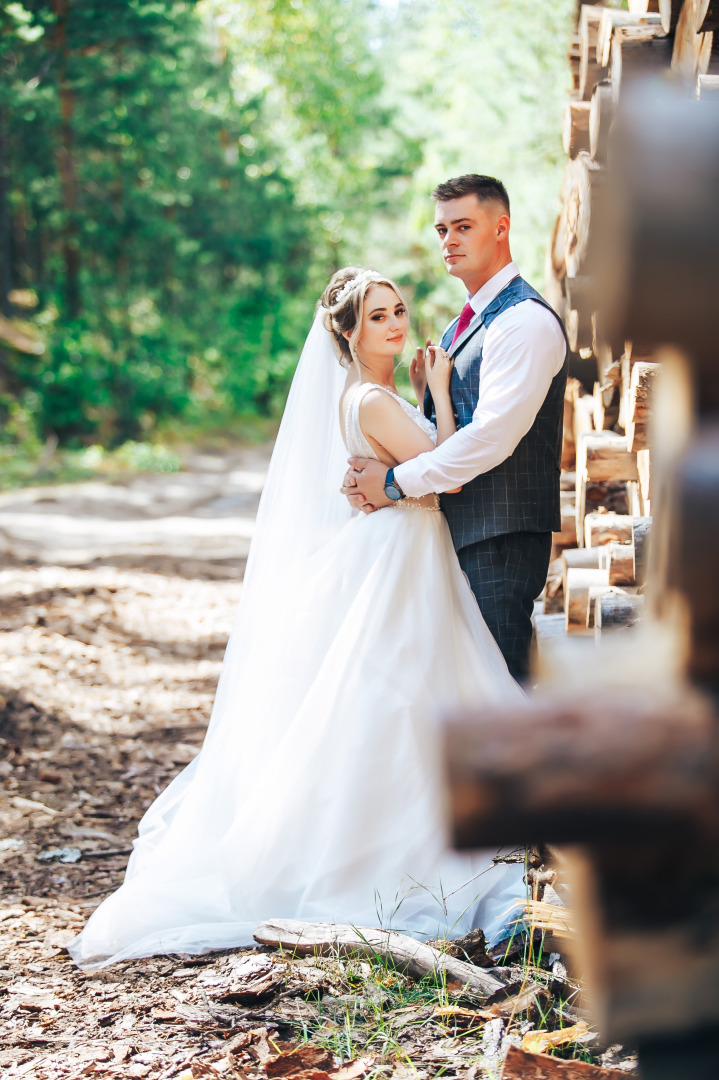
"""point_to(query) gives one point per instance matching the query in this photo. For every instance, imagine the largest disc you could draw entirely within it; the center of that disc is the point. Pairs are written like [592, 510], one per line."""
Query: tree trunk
[5, 226]
[66, 165]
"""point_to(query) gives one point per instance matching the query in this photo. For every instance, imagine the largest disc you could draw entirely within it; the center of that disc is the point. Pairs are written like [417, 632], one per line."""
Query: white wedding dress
[317, 794]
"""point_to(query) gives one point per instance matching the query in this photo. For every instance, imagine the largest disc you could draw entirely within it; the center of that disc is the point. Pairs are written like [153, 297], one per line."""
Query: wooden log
[664, 297]
[554, 287]
[693, 568]
[557, 245]
[576, 597]
[601, 115]
[547, 628]
[710, 22]
[414, 957]
[595, 594]
[642, 380]
[572, 390]
[606, 528]
[629, 358]
[617, 609]
[578, 325]
[590, 72]
[575, 127]
[637, 52]
[578, 409]
[641, 532]
[574, 59]
[641, 7]
[669, 11]
[597, 497]
[603, 455]
[620, 564]
[581, 292]
[607, 398]
[553, 597]
[583, 558]
[707, 88]
[580, 767]
[644, 468]
[692, 49]
[567, 536]
[585, 185]
[613, 17]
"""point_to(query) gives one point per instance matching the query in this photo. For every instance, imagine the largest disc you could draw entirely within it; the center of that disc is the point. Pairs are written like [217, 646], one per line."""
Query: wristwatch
[391, 488]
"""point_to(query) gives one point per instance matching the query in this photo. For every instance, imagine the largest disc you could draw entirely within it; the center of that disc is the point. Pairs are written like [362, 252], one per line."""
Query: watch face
[393, 492]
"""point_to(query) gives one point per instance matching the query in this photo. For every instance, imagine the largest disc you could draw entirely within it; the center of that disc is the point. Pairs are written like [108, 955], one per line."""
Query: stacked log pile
[597, 576]
[613, 760]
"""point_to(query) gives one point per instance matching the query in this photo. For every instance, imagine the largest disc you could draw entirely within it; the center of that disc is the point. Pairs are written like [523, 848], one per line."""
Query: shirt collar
[493, 287]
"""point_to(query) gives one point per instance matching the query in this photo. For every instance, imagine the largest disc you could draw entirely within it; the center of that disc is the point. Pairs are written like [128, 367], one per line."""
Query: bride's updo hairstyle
[343, 303]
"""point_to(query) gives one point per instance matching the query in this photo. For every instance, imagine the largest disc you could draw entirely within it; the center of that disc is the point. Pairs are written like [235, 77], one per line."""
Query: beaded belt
[426, 502]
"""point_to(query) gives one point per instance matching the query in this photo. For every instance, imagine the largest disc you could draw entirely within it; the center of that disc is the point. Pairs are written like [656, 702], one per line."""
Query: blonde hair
[343, 303]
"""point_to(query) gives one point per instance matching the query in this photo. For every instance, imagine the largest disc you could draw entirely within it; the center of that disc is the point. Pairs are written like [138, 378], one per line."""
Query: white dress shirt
[523, 350]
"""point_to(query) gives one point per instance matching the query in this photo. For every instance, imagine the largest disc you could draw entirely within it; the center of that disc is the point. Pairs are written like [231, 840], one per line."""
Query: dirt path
[115, 605]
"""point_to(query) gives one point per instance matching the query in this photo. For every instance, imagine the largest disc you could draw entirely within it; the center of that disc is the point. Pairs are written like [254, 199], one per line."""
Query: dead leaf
[458, 1015]
[352, 1070]
[519, 1065]
[302, 1059]
[536, 1042]
[260, 1047]
[523, 1002]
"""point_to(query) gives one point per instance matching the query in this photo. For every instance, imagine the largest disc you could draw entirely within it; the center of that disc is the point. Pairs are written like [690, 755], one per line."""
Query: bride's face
[385, 323]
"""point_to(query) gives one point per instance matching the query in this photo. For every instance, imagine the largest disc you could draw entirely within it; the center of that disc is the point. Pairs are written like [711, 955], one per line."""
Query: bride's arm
[385, 423]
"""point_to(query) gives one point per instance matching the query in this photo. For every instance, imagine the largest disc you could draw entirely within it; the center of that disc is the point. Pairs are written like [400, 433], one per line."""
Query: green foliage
[178, 180]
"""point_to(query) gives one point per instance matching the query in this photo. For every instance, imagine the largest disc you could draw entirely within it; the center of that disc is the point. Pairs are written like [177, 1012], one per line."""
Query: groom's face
[471, 234]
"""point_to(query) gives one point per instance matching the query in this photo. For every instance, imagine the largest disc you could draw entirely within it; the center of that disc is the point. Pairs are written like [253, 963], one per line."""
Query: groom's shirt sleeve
[523, 350]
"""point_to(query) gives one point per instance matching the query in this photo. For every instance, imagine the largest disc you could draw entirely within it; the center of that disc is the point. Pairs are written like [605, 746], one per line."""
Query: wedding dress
[317, 794]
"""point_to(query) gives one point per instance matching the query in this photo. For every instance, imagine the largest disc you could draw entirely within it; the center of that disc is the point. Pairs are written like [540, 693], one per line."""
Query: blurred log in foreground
[616, 753]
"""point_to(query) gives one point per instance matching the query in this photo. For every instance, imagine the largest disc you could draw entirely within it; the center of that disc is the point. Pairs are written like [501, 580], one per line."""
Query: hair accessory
[354, 283]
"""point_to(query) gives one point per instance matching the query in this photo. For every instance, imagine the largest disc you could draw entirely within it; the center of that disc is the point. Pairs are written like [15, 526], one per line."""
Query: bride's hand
[418, 374]
[439, 370]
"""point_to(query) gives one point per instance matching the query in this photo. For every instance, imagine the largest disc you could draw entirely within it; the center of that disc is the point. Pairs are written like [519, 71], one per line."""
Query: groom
[510, 370]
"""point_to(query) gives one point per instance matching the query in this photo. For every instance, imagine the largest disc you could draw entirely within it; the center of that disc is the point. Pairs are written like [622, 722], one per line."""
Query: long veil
[301, 508]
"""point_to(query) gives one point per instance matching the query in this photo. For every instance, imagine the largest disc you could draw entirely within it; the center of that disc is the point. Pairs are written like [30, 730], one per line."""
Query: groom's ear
[502, 226]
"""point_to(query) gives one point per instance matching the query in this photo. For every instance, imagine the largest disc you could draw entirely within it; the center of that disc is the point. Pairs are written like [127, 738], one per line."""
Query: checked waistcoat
[521, 494]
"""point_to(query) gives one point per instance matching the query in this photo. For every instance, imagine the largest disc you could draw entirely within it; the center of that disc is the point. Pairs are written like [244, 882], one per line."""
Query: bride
[317, 793]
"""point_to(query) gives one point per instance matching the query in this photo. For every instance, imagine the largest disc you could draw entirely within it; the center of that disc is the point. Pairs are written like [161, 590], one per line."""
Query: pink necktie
[464, 320]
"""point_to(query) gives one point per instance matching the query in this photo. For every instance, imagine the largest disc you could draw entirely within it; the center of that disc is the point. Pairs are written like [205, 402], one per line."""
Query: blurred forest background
[178, 180]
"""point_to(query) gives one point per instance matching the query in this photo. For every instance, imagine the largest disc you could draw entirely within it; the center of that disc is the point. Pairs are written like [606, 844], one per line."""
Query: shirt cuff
[409, 476]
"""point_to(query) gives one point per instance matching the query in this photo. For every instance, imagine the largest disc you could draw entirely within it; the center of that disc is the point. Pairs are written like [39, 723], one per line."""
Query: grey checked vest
[521, 494]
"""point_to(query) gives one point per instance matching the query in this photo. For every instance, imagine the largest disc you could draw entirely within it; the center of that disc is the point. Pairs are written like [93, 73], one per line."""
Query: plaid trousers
[506, 574]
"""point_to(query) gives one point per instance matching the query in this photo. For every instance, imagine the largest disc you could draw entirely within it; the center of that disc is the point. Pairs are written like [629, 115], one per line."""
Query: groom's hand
[364, 484]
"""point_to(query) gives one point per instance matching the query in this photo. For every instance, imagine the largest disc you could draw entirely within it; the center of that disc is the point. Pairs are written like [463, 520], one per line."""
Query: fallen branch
[407, 954]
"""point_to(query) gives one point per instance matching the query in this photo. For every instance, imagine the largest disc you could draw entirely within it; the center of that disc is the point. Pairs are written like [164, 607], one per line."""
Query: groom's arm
[523, 351]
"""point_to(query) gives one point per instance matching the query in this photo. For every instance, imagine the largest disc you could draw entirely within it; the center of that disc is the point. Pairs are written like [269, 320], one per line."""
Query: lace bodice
[355, 441]
[358, 445]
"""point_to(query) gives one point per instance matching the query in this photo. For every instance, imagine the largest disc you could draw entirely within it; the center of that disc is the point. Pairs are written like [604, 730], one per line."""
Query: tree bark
[66, 165]
[5, 223]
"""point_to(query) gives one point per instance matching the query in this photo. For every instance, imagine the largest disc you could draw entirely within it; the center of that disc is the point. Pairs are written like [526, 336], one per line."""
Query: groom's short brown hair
[484, 187]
